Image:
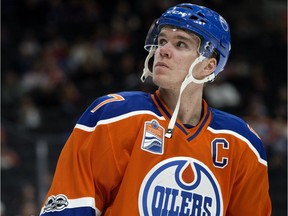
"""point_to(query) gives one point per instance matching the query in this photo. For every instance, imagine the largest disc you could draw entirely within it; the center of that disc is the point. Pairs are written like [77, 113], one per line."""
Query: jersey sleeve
[86, 175]
[94, 159]
[248, 175]
[250, 193]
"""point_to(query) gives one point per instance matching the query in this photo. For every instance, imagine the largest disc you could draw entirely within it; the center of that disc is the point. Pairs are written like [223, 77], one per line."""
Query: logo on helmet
[177, 12]
[180, 186]
[224, 24]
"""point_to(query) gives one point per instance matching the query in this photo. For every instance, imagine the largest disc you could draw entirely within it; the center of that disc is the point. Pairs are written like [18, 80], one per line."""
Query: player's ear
[210, 66]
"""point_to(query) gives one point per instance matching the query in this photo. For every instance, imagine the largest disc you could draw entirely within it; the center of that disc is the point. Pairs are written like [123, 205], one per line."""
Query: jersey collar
[190, 133]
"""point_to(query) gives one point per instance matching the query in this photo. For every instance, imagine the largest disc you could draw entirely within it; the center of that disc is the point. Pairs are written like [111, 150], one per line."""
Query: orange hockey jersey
[118, 162]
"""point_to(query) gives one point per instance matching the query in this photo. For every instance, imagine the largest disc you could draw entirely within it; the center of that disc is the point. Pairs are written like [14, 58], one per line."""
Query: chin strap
[188, 79]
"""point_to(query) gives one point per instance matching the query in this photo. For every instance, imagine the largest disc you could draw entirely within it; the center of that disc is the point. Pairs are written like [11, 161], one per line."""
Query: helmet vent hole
[194, 17]
[200, 14]
[203, 21]
[199, 19]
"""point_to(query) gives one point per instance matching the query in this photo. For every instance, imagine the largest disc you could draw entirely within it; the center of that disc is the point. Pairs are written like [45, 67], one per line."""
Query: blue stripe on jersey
[162, 106]
[182, 128]
[134, 101]
[225, 121]
[201, 126]
[87, 211]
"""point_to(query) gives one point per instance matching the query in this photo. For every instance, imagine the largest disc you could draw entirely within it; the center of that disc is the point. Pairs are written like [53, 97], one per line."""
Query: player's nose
[165, 50]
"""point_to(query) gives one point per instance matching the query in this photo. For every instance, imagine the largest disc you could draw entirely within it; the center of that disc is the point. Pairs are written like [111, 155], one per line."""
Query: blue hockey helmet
[209, 26]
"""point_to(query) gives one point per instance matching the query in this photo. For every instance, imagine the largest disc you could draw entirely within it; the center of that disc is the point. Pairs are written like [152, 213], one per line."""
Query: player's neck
[190, 106]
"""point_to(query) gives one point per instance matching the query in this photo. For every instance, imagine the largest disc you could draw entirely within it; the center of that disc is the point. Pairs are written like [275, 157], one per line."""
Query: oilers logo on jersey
[180, 186]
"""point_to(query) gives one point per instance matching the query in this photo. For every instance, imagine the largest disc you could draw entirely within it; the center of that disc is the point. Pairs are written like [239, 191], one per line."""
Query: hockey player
[166, 153]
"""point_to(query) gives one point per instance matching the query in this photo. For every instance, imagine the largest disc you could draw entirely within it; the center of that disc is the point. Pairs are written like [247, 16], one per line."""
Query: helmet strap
[190, 76]
[188, 79]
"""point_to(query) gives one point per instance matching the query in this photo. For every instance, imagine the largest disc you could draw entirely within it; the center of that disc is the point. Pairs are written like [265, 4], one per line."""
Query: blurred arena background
[58, 56]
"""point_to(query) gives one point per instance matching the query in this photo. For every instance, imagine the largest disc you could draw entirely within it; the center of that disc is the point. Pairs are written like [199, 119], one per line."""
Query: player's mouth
[161, 64]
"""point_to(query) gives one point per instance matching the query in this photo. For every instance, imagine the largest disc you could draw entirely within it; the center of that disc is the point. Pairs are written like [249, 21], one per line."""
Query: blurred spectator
[29, 114]
[69, 98]
[28, 208]
[36, 78]
[10, 167]
[9, 158]
[12, 90]
[222, 95]
[29, 49]
[28, 201]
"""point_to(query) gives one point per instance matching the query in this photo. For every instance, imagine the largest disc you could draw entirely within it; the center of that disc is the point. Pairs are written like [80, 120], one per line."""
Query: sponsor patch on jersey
[153, 137]
[56, 203]
[180, 186]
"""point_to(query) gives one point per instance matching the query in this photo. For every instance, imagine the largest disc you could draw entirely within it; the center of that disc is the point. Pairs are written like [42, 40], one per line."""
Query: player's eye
[162, 41]
[181, 44]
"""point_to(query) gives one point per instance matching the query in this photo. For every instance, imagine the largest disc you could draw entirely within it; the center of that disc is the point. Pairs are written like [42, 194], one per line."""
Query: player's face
[177, 50]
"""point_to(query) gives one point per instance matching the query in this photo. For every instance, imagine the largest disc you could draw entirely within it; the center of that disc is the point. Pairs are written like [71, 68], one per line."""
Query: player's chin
[160, 73]
[161, 80]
